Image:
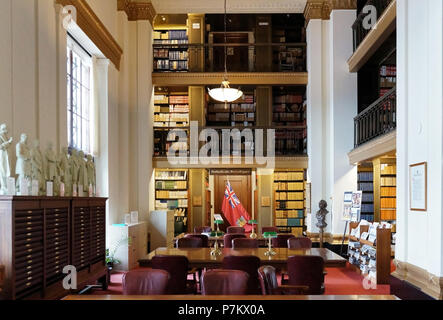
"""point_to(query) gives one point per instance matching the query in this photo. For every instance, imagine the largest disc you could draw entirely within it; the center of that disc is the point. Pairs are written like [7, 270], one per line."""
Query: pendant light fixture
[225, 93]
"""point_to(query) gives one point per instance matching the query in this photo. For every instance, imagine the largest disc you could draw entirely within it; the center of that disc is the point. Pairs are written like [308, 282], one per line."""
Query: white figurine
[5, 171]
[37, 167]
[74, 165]
[23, 165]
[90, 165]
[83, 171]
[51, 163]
[64, 171]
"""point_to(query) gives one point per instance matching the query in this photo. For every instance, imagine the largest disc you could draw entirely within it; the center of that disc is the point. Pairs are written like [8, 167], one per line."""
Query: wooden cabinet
[132, 242]
[161, 228]
[39, 236]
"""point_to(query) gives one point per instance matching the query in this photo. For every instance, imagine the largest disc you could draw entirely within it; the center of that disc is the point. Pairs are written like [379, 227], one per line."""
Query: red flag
[234, 211]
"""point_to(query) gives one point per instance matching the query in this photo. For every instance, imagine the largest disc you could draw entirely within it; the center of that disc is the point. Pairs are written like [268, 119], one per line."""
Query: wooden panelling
[375, 38]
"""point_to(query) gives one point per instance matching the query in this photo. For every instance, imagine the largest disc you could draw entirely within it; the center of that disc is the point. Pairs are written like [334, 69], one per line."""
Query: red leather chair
[281, 241]
[145, 282]
[177, 266]
[244, 243]
[204, 238]
[227, 239]
[233, 229]
[250, 265]
[307, 271]
[224, 282]
[269, 284]
[299, 243]
[190, 242]
[202, 229]
[269, 229]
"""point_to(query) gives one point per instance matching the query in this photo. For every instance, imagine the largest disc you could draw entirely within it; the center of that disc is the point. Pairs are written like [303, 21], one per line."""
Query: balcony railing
[291, 141]
[242, 57]
[361, 32]
[376, 120]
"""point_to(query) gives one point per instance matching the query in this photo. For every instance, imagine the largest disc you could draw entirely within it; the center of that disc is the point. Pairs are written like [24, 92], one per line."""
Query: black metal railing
[242, 57]
[377, 119]
[360, 32]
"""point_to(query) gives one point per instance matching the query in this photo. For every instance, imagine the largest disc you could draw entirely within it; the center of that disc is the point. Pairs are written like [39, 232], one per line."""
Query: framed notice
[347, 206]
[308, 197]
[418, 192]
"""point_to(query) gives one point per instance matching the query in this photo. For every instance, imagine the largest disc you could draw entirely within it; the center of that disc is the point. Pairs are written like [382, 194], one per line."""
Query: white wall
[420, 106]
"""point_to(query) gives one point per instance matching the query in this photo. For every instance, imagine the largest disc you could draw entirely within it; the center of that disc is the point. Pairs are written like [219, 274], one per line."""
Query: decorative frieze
[321, 9]
[137, 10]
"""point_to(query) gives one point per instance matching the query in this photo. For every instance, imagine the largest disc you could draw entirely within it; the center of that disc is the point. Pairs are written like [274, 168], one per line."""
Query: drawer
[26, 242]
[29, 259]
[29, 275]
[28, 226]
[23, 268]
[30, 218]
[26, 235]
[27, 213]
[28, 248]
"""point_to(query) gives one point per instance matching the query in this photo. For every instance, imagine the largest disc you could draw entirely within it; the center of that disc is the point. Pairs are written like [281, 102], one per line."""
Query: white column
[420, 115]
[342, 110]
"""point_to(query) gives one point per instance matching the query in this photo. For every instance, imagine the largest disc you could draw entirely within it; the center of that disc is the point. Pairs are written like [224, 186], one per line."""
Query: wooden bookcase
[290, 201]
[241, 113]
[382, 248]
[365, 183]
[170, 50]
[388, 78]
[172, 193]
[171, 111]
[388, 192]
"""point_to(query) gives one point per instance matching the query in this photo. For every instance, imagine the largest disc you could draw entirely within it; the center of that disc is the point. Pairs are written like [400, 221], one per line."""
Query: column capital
[137, 10]
[321, 9]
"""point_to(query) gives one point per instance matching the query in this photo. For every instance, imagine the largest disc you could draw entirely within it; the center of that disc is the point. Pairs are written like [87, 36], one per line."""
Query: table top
[202, 255]
[236, 297]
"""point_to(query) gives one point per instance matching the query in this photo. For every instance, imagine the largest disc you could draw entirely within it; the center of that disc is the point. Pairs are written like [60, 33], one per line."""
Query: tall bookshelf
[365, 183]
[241, 113]
[388, 192]
[170, 50]
[172, 193]
[171, 111]
[290, 201]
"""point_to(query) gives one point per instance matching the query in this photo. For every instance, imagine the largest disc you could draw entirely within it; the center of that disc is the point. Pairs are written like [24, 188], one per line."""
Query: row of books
[296, 231]
[388, 191]
[178, 117]
[289, 195]
[367, 217]
[283, 116]
[367, 207]
[298, 176]
[170, 41]
[164, 194]
[171, 204]
[170, 65]
[290, 134]
[367, 197]
[171, 185]
[296, 107]
[241, 107]
[288, 98]
[172, 108]
[289, 222]
[171, 175]
[366, 186]
[386, 169]
[290, 204]
[171, 54]
[176, 99]
[161, 99]
[172, 124]
[388, 71]
[177, 146]
[170, 35]
[388, 203]
[365, 176]
[281, 214]
[241, 117]
[388, 214]
[388, 181]
[289, 186]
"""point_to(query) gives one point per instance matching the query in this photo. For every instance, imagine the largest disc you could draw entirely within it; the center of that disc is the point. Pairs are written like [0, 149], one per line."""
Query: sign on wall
[418, 186]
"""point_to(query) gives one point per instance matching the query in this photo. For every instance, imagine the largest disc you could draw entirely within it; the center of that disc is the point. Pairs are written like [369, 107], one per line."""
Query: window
[79, 65]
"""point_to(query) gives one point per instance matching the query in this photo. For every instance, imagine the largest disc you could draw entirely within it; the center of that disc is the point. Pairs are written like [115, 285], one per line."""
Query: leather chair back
[299, 243]
[224, 282]
[227, 238]
[177, 266]
[190, 242]
[250, 265]
[281, 241]
[145, 282]
[234, 229]
[244, 243]
[204, 238]
[268, 279]
[307, 271]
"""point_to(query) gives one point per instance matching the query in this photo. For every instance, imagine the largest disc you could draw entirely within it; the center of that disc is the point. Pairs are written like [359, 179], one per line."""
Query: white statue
[37, 167]
[75, 166]
[83, 171]
[51, 163]
[90, 165]
[64, 171]
[5, 171]
[23, 165]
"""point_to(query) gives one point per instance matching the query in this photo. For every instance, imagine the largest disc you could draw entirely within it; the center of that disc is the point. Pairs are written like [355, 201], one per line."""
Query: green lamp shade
[252, 222]
[216, 234]
[270, 234]
[218, 222]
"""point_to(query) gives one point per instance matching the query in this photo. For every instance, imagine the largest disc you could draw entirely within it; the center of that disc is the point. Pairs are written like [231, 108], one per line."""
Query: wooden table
[201, 257]
[235, 298]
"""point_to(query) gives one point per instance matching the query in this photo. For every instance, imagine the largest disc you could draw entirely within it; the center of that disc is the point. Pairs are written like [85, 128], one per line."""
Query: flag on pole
[234, 211]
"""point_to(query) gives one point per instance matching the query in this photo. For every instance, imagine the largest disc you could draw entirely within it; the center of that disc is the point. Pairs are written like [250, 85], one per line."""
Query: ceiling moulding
[91, 25]
[233, 6]
[140, 10]
[321, 9]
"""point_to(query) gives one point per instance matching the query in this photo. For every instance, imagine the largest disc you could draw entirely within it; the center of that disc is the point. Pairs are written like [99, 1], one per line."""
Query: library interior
[181, 149]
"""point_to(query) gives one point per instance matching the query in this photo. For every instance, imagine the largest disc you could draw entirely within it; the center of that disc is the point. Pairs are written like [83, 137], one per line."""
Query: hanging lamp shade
[225, 93]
